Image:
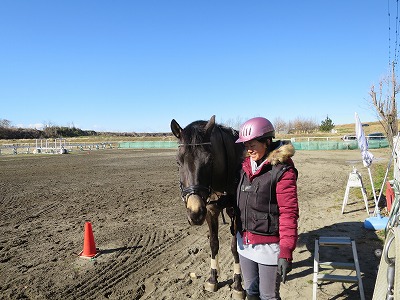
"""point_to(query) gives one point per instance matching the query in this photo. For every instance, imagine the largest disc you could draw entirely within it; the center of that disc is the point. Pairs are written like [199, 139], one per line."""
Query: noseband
[199, 190]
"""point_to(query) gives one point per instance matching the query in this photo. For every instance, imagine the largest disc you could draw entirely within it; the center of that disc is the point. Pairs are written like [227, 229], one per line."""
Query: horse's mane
[229, 130]
[194, 132]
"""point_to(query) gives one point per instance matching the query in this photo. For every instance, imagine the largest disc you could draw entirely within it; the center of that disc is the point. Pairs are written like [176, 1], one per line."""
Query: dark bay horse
[209, 161]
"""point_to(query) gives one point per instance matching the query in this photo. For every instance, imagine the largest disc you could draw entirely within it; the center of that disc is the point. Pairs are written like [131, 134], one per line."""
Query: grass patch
[378, 172]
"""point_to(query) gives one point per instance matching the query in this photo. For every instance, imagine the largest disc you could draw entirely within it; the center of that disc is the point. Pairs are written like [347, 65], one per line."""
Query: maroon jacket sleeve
[286, 194]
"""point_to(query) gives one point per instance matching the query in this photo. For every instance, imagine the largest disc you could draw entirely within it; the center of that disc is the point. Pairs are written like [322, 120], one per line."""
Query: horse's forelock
[194, 132]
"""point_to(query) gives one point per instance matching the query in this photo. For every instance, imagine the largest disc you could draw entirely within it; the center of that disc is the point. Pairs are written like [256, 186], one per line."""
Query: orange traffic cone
[89, 246]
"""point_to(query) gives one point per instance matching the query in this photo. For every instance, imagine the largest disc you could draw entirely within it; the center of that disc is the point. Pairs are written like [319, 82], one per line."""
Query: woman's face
[255, 149]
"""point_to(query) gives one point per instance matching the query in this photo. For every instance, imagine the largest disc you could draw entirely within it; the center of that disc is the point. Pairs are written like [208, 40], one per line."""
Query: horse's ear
[176, 128]
[210, 125]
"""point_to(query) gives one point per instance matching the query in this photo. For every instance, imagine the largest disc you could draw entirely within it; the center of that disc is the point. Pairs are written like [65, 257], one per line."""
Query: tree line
[8, 132]
[301, 125]
[297, 126]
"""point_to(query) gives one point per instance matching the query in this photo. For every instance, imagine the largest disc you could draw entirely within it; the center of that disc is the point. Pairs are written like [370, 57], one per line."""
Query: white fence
[53, 146]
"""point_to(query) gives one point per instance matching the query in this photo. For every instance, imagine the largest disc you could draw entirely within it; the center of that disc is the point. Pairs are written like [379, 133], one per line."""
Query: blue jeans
[260, 280]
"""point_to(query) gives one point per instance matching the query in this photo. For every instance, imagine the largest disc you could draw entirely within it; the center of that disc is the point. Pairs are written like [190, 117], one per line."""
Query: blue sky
[132, 65]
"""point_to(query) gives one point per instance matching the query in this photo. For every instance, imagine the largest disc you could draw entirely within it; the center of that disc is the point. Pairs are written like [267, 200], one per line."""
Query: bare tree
[234, 123]
[279, 124]
[385, 106]
[301, 125]
[49, 129]
[5, 123]
[290, 127]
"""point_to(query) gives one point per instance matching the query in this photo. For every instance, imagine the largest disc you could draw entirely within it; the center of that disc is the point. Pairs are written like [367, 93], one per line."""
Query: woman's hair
[264, 140]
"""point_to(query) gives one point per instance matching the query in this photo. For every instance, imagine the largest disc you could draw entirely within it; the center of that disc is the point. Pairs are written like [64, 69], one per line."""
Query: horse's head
[194, 159]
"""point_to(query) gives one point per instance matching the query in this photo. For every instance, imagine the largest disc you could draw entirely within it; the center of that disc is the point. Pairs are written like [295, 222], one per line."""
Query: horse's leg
[212, 221]
[238, 292]
[223, 217]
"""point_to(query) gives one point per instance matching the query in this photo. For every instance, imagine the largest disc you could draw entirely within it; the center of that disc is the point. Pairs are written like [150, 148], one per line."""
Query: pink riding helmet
[255, 128]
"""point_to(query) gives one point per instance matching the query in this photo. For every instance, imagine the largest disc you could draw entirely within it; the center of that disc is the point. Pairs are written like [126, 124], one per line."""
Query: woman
[267, 210]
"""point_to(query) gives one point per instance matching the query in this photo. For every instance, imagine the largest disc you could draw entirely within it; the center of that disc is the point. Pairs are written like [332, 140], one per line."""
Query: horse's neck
[224, 162]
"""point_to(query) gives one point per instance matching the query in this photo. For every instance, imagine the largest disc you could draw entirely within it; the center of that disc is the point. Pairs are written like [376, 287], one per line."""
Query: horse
[209, 161]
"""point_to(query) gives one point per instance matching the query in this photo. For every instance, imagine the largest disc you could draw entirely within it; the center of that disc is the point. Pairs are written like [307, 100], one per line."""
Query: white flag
[363, 143]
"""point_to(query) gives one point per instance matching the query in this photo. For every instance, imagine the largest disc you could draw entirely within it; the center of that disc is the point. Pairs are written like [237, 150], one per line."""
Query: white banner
[367, 156]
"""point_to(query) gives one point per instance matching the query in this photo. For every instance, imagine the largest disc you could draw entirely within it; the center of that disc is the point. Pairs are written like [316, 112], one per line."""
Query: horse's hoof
[238, 295]
[211, 287]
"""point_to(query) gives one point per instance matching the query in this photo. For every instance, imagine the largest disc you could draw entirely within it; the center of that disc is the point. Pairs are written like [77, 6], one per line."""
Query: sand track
[147, 247]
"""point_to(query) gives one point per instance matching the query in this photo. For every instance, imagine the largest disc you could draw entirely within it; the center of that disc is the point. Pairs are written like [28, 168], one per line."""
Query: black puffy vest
[256, 201]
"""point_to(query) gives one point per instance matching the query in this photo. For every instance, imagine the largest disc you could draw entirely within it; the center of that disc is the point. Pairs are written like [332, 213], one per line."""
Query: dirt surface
[148, 249]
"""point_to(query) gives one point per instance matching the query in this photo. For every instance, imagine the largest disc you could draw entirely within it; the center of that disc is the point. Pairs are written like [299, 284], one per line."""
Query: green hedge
[332, 145]
[308, 145]
[148, 145]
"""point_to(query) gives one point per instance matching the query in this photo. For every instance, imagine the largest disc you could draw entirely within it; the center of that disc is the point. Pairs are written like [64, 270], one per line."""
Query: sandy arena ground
[147, 247]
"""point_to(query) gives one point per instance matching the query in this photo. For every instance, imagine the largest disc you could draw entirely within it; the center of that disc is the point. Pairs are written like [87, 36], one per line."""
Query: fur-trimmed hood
[281, 153]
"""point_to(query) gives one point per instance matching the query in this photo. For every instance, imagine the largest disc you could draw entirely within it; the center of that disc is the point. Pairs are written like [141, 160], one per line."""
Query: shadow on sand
[367, 242]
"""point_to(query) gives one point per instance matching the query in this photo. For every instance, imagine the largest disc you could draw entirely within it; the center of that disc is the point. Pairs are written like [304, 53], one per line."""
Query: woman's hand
[284, 267]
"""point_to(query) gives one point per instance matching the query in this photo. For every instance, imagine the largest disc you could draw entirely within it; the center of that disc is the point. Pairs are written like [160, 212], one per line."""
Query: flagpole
[367, 157]
[373, 189]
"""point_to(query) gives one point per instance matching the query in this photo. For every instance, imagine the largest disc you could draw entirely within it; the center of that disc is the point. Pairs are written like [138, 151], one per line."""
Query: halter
[195, 189]
[201, 189]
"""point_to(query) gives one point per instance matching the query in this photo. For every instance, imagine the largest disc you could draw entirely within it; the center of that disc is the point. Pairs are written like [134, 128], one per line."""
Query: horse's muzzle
[196, 210]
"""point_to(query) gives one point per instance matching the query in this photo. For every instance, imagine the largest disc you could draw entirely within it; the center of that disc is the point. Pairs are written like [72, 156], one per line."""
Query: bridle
[201, 190]
[195, 190]
[205, 192]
